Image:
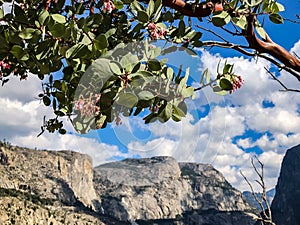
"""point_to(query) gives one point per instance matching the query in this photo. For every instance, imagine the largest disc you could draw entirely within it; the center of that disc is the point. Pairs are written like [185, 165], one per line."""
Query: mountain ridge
[61, 187]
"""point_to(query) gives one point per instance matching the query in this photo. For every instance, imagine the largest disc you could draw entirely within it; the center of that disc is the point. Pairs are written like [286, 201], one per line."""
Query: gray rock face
[55, 188]
[63, 176]
[286, 203]
[160, 188]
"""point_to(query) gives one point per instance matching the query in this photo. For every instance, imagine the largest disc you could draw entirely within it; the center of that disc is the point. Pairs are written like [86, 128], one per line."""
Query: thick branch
[290, 61]
[193, 10]
[270, 47]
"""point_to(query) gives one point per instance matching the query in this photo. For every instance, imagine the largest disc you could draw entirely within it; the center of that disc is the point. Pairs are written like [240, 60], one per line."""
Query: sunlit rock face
[62, 187]
[160, 188]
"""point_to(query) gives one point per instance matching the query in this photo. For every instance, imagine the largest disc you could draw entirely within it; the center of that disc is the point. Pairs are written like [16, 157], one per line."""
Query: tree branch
[268, 46]
[282, 84]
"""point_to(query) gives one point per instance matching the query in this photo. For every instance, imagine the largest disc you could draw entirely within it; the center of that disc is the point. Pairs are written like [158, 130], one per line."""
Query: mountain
[286, 204]
[62, 187]
[248, 196]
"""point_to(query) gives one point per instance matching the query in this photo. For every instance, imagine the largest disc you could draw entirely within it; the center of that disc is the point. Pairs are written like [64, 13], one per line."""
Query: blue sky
[224, 131]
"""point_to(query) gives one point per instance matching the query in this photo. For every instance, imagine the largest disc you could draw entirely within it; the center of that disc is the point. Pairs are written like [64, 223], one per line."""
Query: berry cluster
[237, 82]
[156, 32]
[3, 66]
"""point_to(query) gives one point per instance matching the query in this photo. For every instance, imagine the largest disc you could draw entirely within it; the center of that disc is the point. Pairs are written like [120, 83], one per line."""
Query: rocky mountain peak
[140, 172]
[161, 188]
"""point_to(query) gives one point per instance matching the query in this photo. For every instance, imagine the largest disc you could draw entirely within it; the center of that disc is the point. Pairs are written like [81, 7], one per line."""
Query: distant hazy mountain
[251, 200]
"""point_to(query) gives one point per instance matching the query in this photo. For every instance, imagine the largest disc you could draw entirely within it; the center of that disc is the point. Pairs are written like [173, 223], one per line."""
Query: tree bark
[270, 47]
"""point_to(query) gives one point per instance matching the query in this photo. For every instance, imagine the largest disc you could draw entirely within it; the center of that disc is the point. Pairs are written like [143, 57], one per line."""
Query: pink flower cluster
[3, 66]
[237, 82]
[108, 6]
[88, 106]
[156, 32]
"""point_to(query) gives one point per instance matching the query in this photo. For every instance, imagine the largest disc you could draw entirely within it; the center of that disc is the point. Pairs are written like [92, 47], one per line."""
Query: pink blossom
[4, 65]
[152, 26]
[237, 82]
[156, 32]
[162, 31]
[154, 35]
[108, 6]
[88, 106]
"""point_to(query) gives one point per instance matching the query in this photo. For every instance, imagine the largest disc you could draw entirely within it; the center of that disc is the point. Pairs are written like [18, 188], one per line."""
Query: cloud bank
[224, 131]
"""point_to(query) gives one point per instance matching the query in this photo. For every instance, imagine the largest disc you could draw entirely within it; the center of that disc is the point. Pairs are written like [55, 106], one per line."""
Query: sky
[225, 131]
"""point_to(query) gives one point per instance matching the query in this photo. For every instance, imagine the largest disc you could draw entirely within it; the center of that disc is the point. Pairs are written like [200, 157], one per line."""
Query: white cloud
[100, 152]
[210, 138]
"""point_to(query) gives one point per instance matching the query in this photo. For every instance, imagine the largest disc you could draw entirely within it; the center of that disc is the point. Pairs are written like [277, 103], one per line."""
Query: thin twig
[266, 219]
[241, 49]
[282, 84]
[212, 32]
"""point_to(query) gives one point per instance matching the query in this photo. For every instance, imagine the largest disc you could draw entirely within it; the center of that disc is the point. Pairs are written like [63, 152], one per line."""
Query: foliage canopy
[107, 65]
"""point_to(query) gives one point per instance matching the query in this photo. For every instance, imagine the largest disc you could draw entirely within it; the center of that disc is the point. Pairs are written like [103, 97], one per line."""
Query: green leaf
[154, 52]
[252, 3]
[136, 6]
[187, 92]
[240, 21]
[129, 61]
[180, 112]
[218, 90]
[181, 28]
[62, 131]
[77, 51]
[119, 4]
[227, 68]
[276, 18]
[57, 30]
[221, 18]
[59, 18]
[260, 30]
[280, 7]
[1, 13]
[204, 75]
[20, 14]
[115, 68]
[43, 16]
[166, 112]
[128, 100]
[168, 16]
[145, 95]
[19, 53]
[101, 42]
[150, 8]
[27, 33]
[226, 84]
[142, 16]
[100, 122]
[46, 101]
[157, 5]
[110, 32]
[170, 73]
[154, 65]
